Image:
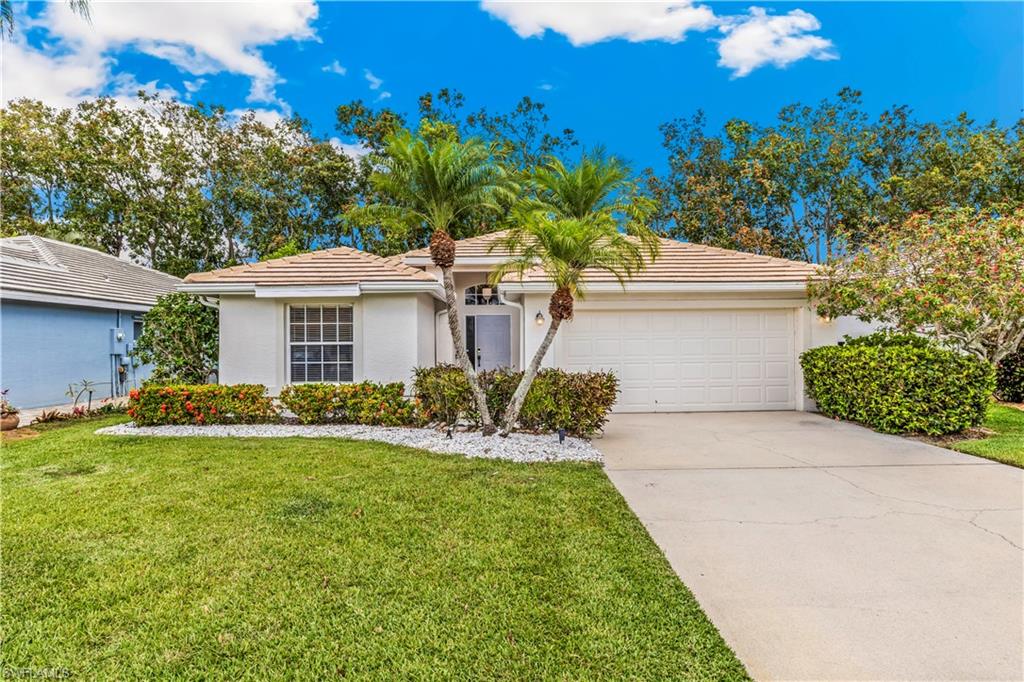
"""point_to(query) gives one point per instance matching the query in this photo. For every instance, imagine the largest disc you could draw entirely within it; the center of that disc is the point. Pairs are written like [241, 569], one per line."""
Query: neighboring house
[69, 313]
[701, 328]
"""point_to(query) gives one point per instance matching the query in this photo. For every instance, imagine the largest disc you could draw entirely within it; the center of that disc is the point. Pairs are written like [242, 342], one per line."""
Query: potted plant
[8, 413]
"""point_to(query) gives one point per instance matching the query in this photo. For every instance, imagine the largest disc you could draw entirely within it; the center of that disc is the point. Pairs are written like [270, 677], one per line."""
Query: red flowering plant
[954, 276]
[362, 403]
[156, 404]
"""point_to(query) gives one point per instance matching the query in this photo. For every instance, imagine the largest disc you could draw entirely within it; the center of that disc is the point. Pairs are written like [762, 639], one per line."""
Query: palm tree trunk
[515, 405]
[461, 358]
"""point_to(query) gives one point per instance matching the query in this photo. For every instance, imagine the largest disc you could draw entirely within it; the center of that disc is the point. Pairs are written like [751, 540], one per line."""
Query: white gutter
[662, 287]
[315, 291]
[77, 301]
[522, 327]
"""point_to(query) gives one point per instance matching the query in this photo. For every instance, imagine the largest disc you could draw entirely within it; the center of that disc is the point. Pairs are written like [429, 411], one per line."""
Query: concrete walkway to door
[826, 551]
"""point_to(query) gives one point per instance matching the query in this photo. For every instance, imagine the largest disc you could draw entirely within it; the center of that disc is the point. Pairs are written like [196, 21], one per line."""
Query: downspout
[522, 326]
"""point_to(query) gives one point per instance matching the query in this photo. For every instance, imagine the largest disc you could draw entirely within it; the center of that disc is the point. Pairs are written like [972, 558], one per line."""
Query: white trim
[315, 290]
[435, 288]
[661, 287]
[76, 301]
[212, 288]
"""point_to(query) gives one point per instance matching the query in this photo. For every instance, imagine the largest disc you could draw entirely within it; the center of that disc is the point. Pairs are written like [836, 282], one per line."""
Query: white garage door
[688, 360]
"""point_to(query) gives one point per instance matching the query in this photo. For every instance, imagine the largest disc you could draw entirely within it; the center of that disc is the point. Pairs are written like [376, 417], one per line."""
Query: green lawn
[226, 559]
[1007, 445]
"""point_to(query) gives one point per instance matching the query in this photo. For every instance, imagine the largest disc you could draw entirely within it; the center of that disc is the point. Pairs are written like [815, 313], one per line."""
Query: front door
[489, 340]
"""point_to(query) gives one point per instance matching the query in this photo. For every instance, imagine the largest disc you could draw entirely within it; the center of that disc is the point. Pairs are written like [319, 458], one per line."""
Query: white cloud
[355, 151]
[585, 23]
[335, 67]
[751, 40]
[780, 40]
[77, 57]
[547, 87]
[192, 87]
[374, 82]
[269, 117]
[383, 95]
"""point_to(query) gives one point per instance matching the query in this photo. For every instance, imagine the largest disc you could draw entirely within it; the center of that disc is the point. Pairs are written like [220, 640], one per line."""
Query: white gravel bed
[517, 447]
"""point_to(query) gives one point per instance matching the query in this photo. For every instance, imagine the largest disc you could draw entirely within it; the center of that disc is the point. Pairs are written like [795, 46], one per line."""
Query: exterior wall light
[539, 319]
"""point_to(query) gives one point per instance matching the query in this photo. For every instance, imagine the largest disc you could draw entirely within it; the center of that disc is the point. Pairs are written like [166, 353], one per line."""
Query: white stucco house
[701, 329]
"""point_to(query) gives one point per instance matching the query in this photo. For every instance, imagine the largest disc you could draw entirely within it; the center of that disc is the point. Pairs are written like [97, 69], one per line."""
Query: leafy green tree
[585, 218]
[954, 276]
[820, 180]
[520, 139]
[179, 338]
[184, 188]
[433, 187]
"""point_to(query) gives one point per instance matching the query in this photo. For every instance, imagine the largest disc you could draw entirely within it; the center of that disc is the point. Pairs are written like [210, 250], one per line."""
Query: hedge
[160, 404]
[578, 402]
[898, 386]
[363, 403]
[1010, 378]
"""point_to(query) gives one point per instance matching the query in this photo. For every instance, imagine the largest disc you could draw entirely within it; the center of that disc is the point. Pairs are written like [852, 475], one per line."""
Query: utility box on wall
[118, 342]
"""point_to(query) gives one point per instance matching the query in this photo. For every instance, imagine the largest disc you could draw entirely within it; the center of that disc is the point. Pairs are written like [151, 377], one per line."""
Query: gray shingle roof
[47, 266]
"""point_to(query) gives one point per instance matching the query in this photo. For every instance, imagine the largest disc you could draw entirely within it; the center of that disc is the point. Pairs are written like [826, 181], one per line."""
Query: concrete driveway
[823, 550]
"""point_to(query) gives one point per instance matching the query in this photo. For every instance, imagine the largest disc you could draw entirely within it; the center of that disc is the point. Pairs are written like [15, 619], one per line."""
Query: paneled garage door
[688, 360]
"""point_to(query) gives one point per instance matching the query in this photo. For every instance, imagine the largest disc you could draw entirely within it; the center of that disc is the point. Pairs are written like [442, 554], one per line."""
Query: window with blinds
[320, 343]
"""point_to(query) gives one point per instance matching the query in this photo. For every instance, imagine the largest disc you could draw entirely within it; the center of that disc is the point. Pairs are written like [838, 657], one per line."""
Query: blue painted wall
[43, 348]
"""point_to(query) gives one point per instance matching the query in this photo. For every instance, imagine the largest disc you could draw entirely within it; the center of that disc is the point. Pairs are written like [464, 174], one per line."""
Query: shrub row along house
[699, 329]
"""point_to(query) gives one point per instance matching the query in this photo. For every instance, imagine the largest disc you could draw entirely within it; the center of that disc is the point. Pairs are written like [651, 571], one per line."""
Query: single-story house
[701, 328]
[69, 313]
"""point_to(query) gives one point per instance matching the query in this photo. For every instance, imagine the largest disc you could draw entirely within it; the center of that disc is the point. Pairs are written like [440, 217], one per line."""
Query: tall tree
[821, 180]
[182, 188]
[955, 275]
[434, 187]
[520, 139]
[588, 217]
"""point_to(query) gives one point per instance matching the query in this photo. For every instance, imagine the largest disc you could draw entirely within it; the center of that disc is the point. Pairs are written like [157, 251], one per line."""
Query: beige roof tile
[341, 265]
[471, 247]
[46, 266]
[683, 262]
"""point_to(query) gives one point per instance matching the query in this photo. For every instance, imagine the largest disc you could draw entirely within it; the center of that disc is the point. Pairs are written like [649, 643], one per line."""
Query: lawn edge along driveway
[235, 558]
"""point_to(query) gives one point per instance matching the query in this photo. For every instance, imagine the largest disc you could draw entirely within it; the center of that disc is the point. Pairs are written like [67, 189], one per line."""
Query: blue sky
[612, 73]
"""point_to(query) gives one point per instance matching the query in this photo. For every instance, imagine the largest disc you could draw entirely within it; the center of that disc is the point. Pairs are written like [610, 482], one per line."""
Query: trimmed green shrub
[364, 403]
[579, 402]
[157, 404]
[899, 385]
[1010, 378]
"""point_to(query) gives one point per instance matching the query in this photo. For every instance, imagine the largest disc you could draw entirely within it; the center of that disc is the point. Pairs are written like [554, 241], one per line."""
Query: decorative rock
[517, 447]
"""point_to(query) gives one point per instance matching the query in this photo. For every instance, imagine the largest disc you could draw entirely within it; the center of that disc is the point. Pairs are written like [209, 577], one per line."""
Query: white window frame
[289, 343]
[493, 300]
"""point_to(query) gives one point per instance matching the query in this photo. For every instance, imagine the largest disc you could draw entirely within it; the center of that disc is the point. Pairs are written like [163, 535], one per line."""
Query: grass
[249, 558]
[1007, 446]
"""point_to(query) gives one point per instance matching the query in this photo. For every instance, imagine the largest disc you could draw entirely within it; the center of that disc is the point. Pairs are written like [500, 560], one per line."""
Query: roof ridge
[744, 254]
[44, 251]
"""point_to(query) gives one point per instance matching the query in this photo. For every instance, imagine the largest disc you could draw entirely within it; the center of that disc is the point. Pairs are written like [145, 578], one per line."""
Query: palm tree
[79, 7]
[585, 218]
[437, 185]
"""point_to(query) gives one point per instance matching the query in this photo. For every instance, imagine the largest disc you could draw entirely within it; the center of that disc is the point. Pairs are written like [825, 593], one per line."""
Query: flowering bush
[155, 404]
[362, 403]
[578, 402]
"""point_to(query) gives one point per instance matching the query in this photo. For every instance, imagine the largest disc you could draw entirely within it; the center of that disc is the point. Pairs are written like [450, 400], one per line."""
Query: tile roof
[683, 262]
[46, 266]
[341, 265]
[471, 247]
